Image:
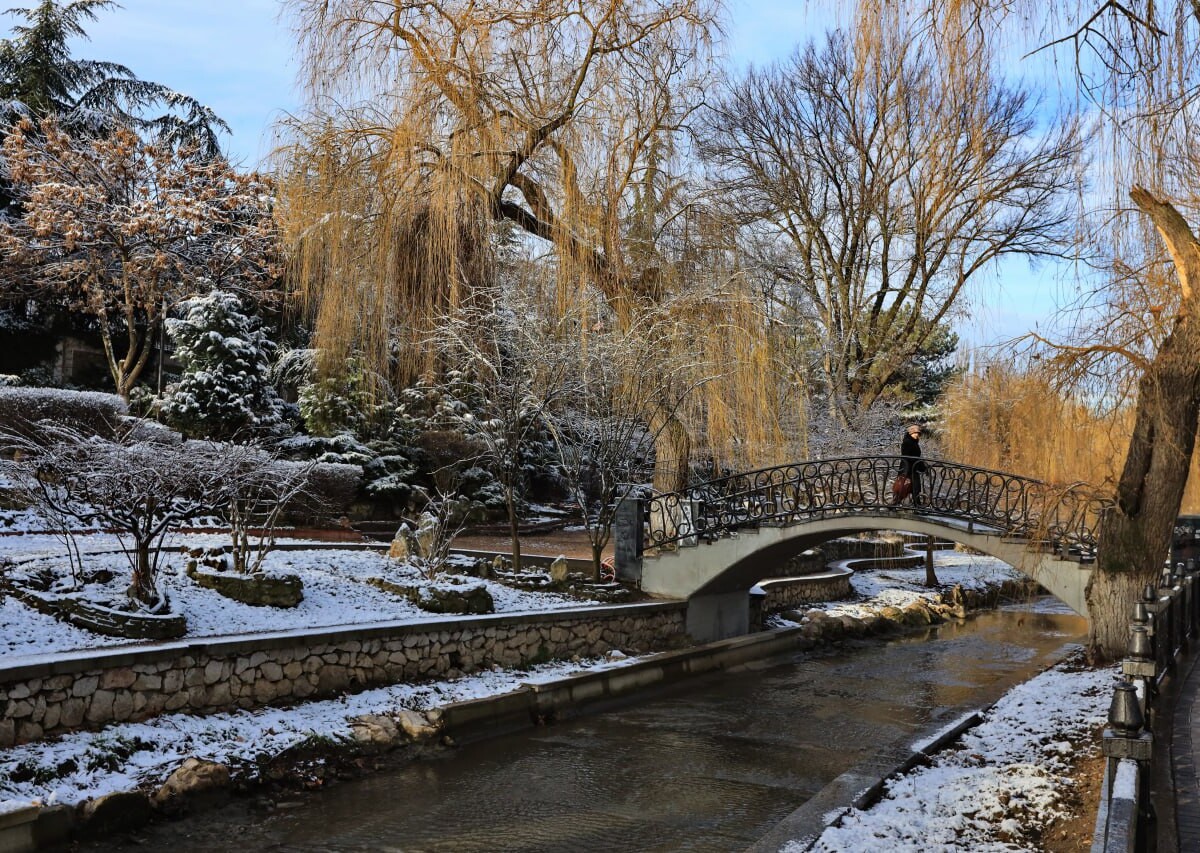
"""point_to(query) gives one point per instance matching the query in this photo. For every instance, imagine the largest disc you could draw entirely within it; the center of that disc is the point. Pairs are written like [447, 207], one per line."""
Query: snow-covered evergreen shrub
[345, 403]
[225, 389]
[89, 412]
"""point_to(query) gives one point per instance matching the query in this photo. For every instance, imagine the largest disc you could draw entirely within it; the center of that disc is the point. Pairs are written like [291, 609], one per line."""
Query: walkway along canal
[710, 764]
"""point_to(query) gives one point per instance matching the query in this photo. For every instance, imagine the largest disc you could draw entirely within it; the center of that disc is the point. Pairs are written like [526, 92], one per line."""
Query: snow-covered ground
[1004, 783]
[335, 593]
[124, 756]
[996, 791]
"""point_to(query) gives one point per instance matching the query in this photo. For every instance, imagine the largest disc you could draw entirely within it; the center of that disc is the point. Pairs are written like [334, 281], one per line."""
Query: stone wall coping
[816, 577]
[42, 666]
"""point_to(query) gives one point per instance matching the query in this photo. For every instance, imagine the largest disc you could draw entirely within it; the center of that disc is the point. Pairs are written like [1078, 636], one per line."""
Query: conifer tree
[225, 390]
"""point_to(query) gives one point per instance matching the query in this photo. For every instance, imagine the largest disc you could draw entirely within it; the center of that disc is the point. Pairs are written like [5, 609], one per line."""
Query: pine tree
[38, 73]
[225, 390]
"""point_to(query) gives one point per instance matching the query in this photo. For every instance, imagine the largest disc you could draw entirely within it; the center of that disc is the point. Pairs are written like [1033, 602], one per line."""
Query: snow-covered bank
[127, 756]
[335, 593]
[1000, 788]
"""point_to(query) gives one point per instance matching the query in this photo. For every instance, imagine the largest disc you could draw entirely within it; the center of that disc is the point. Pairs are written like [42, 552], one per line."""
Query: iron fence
[1067, 517]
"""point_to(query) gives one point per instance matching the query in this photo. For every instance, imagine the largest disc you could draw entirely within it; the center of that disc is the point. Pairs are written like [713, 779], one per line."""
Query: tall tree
[555, 119]
[873, 195]
[119, 229]
[39, 76]
[1137, 66]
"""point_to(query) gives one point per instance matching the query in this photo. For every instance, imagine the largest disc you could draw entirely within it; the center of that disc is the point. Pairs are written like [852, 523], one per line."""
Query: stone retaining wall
[89, 690]
[786, 593]
[815, 560]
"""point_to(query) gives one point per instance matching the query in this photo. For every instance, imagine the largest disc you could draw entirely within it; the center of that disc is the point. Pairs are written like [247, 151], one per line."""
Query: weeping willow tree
[1134, 67]
[433, 128]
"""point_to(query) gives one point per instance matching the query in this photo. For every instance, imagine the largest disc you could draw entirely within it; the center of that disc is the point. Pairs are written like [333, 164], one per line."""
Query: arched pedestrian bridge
[710, 543]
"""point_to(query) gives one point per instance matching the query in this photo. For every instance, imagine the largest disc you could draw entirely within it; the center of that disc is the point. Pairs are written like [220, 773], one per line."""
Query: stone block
[101, 707]
[214, 671]
[85, 685]
[271, 671]
[27, 732]
[122, 707]
[73, 710]
[112, 679]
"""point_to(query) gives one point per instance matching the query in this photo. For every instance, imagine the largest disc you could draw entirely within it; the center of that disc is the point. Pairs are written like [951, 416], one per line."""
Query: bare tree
[257, 489]
[872, 194]
[604, 444]
[138, 489]
[514, 364]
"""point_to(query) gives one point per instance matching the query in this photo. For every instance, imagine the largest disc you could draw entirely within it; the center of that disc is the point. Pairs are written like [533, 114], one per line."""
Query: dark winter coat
[910, 449]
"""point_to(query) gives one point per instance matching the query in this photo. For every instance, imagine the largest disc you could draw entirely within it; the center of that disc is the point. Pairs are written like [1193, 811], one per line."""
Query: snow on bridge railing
[1066, 517]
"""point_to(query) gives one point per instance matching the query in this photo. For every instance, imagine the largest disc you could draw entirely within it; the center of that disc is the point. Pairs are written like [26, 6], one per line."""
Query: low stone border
[258, 590]
[785, 593]
[67, 692]
[100, 619]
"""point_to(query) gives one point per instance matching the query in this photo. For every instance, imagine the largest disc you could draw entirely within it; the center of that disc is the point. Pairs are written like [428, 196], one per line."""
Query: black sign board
[1185, 542]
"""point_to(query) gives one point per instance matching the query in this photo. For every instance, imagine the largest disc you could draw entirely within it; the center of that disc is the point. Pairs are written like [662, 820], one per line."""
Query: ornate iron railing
[1065, 517]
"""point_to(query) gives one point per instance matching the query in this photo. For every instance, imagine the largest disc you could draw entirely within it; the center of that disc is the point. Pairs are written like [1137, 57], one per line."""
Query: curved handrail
[1066, 516]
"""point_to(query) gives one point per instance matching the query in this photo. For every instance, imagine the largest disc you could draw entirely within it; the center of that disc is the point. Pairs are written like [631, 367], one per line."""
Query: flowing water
[710, 764]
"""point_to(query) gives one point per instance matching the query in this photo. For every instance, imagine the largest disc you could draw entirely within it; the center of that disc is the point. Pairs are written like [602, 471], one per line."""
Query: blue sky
[236, 57]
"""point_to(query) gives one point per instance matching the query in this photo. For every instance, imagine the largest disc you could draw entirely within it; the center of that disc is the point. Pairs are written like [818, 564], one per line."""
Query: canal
[709, 765]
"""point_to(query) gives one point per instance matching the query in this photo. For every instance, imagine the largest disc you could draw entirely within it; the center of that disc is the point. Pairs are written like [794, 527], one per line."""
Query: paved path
[1180, 830]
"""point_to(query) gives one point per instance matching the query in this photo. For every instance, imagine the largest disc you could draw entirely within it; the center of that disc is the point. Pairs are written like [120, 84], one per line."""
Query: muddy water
[710, 765]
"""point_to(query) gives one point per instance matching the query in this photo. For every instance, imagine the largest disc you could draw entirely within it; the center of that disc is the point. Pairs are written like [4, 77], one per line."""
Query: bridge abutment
[718, 616]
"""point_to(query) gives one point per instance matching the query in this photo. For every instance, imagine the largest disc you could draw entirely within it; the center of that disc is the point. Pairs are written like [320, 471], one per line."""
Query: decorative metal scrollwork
[1065, 517]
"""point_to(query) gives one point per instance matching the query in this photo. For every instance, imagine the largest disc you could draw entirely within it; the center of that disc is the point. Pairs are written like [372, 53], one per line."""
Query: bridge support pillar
[718, 615]
[628, 532]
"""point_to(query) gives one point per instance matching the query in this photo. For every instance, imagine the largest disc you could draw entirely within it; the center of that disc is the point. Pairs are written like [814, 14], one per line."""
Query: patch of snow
[1004, 783]
[336, 592]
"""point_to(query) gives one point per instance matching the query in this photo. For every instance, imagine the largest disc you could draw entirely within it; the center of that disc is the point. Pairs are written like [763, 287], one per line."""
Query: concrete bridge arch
[711, 543]
[716, 577]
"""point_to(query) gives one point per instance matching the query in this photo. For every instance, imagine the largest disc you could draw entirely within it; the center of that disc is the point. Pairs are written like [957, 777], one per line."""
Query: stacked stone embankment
[92, 689]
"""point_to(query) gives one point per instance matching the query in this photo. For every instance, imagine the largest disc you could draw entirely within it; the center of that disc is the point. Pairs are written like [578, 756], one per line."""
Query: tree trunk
[597, 556]
[1136, 535]
[931, 578]
[142, 588]
[514, 530]
[672, 450]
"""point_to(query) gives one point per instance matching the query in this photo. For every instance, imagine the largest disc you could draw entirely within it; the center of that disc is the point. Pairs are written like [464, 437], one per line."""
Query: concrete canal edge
[542, 702]
[863, 785]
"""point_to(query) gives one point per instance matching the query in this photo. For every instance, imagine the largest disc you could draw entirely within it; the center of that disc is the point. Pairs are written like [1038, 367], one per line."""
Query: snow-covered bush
[259, 489]
[225, 389]
[140, 490]
[353, 401]
[330, 491]
[90, 412]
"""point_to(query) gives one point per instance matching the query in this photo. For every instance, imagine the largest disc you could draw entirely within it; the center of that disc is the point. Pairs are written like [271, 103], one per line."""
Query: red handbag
[901, 488]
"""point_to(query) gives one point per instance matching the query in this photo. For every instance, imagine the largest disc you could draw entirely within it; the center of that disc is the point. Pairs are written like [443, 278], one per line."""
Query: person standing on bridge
[911, 465]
